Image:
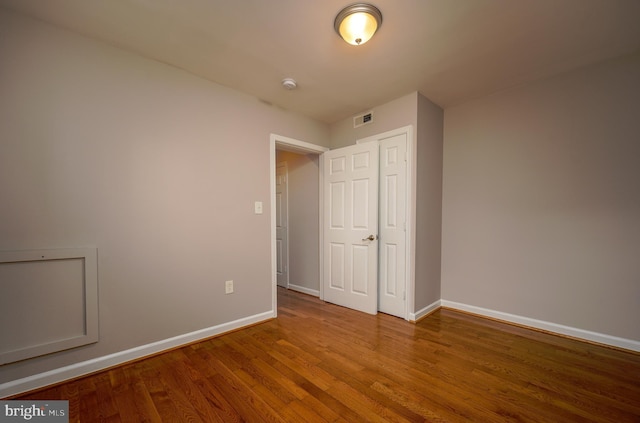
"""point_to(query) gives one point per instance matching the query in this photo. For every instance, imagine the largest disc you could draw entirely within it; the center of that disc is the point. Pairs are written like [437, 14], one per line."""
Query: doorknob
[370, 238]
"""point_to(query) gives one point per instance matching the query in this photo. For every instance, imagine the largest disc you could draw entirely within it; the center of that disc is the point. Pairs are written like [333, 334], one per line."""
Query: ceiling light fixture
[357, 23]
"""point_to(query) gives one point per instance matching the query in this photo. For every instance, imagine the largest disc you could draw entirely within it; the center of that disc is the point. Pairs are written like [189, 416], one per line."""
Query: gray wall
[157, 168]
[304, 216]
[386, 117]
[428, 202]
[541, 209]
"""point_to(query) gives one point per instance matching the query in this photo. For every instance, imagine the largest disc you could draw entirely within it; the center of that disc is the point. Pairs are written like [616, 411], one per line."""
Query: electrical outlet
[228, 287]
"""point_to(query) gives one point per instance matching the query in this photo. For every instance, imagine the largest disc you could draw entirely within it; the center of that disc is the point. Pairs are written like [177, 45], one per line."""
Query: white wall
[157, 168]
[304, 217]
[541, 208]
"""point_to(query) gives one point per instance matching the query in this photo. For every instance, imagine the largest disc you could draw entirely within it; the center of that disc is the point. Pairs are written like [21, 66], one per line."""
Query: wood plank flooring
[322, 363]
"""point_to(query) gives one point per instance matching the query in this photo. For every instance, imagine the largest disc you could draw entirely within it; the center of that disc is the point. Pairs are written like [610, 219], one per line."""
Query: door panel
[389, 264]
[337, 205]
[351, 216]
[360, 204]
[336, 264]
[360, 255]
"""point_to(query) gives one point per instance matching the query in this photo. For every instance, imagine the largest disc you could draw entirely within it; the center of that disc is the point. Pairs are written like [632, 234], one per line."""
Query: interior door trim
[295, 146]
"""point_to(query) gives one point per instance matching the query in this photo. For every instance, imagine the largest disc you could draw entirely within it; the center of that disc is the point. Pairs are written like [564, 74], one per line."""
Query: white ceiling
[449, 50]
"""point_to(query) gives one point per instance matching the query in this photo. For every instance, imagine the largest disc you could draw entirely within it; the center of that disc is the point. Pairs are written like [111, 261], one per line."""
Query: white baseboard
[40, 380]
[72, 371]
[600, 338]
[304, 290]
[414, 317]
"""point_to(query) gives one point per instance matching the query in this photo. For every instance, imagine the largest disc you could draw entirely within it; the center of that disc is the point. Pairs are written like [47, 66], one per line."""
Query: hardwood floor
[318, 362]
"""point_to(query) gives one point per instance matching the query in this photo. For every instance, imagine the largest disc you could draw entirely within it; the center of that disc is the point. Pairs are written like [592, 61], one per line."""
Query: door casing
[296, 146]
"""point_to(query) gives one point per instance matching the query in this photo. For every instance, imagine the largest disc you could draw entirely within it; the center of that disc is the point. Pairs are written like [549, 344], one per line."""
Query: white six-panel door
[351, 227]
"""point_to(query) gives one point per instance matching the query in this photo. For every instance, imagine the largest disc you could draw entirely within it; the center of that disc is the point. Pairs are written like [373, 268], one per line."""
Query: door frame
[410, 210]
[296, 146]
[302, 147]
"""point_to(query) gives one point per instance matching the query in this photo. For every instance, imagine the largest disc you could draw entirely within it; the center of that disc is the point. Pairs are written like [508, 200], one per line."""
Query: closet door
[392, 226]
[351, 227]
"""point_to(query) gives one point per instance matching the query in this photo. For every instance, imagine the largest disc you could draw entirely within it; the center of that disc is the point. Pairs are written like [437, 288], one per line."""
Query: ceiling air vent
[362, 119]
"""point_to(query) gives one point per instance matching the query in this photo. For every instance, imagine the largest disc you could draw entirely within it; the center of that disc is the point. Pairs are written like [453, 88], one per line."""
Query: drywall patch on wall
[49, 301]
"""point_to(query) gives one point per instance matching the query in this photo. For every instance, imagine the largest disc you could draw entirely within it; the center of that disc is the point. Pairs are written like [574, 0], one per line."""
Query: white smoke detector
[289, 83]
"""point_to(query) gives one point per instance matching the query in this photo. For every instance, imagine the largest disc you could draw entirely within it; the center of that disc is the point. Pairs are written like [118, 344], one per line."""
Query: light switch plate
[258, 207]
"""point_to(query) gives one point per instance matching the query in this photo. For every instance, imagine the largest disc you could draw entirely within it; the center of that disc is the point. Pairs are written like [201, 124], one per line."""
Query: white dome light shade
[357, 23]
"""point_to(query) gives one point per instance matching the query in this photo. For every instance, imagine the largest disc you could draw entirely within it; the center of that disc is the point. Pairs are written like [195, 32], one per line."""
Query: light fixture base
[357, 23]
